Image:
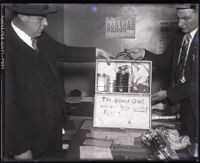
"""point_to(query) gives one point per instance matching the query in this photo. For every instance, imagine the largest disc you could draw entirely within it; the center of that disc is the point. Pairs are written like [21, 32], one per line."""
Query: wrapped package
[165, 142]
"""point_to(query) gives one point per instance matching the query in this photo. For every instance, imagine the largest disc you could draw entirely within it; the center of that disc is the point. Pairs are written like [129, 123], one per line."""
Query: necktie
[34, 44]
[180, 78]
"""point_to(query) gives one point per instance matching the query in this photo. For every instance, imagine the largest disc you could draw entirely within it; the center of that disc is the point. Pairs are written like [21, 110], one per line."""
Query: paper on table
[159, 106]
[99, 143]
[87, 99]
[95, 153]
[65, 146]
[73, 100]
[123, 138]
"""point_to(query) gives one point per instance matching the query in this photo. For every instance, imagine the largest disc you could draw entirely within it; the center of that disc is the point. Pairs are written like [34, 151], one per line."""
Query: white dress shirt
[192, 36]
[22, 35]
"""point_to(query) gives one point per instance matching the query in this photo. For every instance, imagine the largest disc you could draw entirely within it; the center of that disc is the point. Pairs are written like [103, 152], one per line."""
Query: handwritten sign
[122, 111]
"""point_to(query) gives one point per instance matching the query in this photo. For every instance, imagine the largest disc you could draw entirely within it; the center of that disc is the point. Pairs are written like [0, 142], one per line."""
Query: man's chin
[185, 31]
[39, 34]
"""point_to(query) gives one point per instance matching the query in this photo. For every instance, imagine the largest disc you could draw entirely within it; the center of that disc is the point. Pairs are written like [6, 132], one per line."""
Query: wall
[56, 24]
[84, 26]
[81, 22]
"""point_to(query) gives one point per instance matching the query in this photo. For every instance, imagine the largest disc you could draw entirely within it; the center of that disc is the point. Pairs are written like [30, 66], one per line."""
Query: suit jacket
[32, 107]
[187, 93]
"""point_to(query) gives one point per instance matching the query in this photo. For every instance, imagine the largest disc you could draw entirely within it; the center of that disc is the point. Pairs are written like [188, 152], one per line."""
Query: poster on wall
[120, 27]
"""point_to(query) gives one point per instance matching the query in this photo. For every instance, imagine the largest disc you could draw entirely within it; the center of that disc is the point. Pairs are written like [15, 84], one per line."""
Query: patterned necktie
[34, 44]
[180, 78]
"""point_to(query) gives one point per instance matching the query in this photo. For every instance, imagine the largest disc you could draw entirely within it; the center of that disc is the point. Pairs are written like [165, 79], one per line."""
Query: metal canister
[111, 86]
[101, 82]
[107, 81]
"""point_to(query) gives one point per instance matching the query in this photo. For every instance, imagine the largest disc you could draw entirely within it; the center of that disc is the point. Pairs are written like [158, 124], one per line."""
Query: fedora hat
[32, 9]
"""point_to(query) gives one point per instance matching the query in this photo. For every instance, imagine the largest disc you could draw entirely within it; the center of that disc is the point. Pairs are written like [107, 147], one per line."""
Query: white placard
[122, 111]
[95, 153]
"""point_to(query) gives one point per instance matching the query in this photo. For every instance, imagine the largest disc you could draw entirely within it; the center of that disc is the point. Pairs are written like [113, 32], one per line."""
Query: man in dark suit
[181, 58]
[34, 93]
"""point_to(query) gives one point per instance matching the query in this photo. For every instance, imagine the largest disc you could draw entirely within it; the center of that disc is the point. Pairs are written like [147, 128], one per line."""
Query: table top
[135, 151]
[79, 113]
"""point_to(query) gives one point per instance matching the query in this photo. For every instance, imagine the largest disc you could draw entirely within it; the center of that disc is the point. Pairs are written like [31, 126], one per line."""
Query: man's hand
[136, 53]
[104, 54]
[24, 156]
[159, 96]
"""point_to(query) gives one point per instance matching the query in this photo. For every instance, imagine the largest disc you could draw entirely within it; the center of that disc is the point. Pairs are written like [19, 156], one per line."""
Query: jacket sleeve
[16, 138]
[181, 92]
[161, 61]
[65, 53]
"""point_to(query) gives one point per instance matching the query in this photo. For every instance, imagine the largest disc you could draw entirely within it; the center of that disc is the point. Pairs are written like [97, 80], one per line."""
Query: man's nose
[45, 22]
[180, 22]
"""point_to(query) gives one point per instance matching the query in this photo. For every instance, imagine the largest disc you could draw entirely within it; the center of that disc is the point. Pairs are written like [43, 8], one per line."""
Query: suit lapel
[176, 52]
[46, 52]
[23, 48]
[194, 47]
[178, 47]
[193, 56]
[44, 45]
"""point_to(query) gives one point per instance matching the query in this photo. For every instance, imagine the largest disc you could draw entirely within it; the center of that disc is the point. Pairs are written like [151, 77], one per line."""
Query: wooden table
[138, 151]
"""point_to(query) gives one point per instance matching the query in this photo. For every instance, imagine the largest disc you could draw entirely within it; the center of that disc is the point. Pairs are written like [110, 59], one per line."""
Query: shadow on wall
[79, 76]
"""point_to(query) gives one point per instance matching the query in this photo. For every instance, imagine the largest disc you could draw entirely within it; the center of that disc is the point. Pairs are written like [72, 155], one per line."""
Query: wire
[124, 53]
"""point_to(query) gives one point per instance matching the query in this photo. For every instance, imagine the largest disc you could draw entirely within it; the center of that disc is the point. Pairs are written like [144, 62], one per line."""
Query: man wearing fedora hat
[181, 59]
[34, 93]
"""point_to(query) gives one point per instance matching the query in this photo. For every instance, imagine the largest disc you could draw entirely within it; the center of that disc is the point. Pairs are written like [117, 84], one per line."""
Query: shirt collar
[22, 35]
[193, 32]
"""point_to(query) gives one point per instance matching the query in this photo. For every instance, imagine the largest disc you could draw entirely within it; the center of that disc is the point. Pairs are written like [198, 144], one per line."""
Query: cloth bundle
[165, 142]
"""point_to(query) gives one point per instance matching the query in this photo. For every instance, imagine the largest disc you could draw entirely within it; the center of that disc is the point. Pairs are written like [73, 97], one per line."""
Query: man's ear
[22, 17]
